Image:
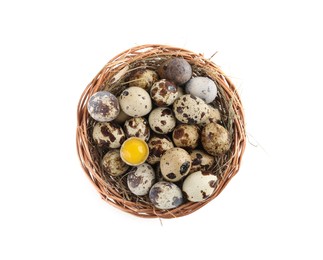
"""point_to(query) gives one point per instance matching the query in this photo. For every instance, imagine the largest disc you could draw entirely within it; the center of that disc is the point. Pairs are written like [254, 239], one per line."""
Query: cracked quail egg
[108, 134]
[190, 109]
[158, 145]
[143, 78]
[201, 161]
[162, 120]
[165, 195]
[177, 70]
[135, 102]
[215, 139]
[103, 106]
[202, 87]
[137, 127]
[199, 185]
[140, 179]
[113, 164]
[186, 136]
[163, 93]
[175, 164]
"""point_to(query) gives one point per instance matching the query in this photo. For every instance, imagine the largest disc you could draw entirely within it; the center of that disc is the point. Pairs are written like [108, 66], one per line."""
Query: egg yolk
[134, 151]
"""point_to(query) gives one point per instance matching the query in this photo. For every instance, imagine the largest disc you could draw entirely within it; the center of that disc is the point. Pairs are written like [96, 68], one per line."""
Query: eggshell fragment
[165, 195]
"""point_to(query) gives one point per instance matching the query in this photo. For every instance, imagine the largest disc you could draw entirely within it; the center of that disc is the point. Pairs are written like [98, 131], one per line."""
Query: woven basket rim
[115, 70]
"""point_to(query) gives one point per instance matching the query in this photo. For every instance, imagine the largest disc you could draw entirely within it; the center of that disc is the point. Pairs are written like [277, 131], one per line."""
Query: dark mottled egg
[215, 139]
[113, 164]
[202, 87]
[177, 70]
[201, 161]
[165, 195]
[162, 120]
[190, 109]
[186, 136]
[135, 102]
[137, 127]
[103, 106]
[214, 116]
[163, 93]
[143, 78]
[108, 134]
[175, 164]
[158, 145]
[198, 186]
[140, 179]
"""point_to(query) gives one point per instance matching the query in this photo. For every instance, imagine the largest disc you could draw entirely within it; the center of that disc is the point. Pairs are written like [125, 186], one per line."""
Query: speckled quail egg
[158, 145]
[199, 185]
[108, 134]
[140, 179]
[186, 136]
[203, 88]
[163, 93]
[143, 78]
[190, 109]
[175, 164]
[215, 139]
[162, 120]
[177, 70]
[103, 106]
[135, 102]
[137, 127]
[165, 195]
[122, 116]
[214, 116]
[201, 161]
[112, 163]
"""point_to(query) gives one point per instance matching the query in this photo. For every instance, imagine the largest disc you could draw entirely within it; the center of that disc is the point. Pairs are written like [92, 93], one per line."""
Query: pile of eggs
[162, 133]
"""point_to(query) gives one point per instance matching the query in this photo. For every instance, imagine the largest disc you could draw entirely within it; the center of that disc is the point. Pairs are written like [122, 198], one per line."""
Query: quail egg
[112, 163]
[201, 161]
[177, 70]
[135, 102]
[165, 195]
[190, 109]
[158, 145]
[143, 78]
[186, 136]
[137, 127]
[163, 93]
[140, 179]
[215, 139]
[108, 134]
[214, 116]
[162, 120]
[199, 185]
[175, 164]
[202, 87]
[103, 106]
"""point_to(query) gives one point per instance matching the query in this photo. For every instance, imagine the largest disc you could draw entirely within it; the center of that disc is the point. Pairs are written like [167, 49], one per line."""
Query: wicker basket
[113, 78]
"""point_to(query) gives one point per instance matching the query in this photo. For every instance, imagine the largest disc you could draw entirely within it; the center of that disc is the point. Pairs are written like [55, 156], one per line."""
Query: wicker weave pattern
[112, 77]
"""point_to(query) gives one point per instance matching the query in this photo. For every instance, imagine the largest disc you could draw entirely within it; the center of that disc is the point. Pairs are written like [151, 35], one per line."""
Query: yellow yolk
[134, 151]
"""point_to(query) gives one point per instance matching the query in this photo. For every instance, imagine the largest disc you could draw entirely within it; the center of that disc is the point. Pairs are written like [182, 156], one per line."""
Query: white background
[50, 51]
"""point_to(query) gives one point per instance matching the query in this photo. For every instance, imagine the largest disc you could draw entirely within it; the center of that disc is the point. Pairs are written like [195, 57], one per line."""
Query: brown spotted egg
[143, 78]
[198, 186]
[162, 120]
[103, 106]
[175, 164]
[189, 109]
[135, 102]
[137, 127]
[140, 179]
[158, 145]
[186, 136]
[214, 116]
[113, 164]
[108, 134]
[201, 161]
[165, 195]
[177, 70]
[163, 93]
[215, 139]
